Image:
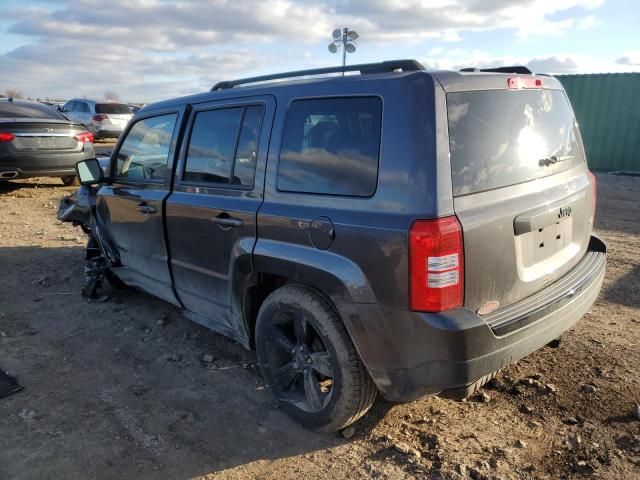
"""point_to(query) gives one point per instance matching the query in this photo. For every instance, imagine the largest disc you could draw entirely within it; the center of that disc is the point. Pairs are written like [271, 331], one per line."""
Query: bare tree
[111, 95]
[14, 92]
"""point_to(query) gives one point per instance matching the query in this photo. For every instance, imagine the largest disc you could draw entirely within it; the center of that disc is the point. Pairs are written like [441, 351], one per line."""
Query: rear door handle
[226, 221]
[145, 209]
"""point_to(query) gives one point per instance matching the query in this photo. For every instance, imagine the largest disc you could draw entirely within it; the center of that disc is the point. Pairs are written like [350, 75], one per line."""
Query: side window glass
[223, 146]
[331, 146]
[244, 169]
[144, 153]
[85, 107]
[212, 145]
[71, 106]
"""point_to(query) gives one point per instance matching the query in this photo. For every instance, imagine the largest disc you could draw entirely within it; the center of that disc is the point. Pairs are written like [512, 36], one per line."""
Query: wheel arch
[337, 279]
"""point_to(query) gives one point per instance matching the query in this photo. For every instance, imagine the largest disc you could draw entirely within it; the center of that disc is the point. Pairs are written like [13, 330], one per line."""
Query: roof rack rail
[513, 69]
[365, 68]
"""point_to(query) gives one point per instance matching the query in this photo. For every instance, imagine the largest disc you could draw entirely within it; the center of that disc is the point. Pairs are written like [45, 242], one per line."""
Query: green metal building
[607, 107]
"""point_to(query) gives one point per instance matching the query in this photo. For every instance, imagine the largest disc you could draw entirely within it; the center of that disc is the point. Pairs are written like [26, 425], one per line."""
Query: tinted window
[20, 109]
[114, 108]
[144, 153]
[247, 152]
[331, 146]
[503, 137]
[219, 150]
[212, 145]
[84, 107]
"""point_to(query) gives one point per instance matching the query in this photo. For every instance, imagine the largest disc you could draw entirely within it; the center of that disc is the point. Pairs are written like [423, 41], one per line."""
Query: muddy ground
[120, 389]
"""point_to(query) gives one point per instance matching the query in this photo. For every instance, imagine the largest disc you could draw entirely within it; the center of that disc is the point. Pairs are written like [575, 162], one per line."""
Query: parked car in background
[103, 119]
[135, 108]
[57, 106]
[38, 141]
[404, 231]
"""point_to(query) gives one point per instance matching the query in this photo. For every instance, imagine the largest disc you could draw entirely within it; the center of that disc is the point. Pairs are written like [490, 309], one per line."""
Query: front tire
[70, 181]
[307, 358]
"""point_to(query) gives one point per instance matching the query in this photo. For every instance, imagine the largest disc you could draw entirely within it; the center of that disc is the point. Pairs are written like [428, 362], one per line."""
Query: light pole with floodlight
[345, 38]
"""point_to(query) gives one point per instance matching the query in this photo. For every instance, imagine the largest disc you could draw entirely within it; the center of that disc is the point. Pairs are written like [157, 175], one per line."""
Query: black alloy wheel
[308, 359]
[302, 367]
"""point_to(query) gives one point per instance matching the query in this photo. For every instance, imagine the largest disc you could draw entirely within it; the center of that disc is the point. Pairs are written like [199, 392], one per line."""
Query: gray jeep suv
[401, 231]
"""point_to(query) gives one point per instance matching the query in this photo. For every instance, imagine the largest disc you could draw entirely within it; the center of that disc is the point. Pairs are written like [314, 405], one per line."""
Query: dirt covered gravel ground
[131, 389]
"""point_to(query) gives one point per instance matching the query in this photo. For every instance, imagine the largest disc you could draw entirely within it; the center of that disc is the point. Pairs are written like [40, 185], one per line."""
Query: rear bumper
[428, 354]
[41, 172]
[108, 130]
[43, 164]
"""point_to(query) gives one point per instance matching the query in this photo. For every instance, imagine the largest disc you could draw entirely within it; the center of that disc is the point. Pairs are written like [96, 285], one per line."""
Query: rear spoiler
[519, 69]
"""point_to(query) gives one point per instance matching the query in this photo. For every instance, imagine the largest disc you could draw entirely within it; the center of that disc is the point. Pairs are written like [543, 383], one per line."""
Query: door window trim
[187, 142]
[173, 151]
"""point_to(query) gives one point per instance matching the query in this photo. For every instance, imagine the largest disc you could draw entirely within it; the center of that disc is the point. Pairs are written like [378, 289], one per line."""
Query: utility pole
[344, 50]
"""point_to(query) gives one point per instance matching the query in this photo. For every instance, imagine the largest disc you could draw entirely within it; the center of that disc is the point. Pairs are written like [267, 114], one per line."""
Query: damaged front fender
[79, 209]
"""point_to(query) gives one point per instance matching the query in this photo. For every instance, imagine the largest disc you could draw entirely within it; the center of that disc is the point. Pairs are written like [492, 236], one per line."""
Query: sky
[148, 50]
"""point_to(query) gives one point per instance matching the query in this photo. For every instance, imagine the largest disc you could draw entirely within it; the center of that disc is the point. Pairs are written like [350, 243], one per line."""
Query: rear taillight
[84, 137]
[524, 82]
[99, 117]
[436, 265]
[6, 137]
[592, 177]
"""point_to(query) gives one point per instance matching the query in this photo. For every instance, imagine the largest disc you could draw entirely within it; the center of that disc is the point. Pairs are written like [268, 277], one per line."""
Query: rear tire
[70, 181]
[309, 361]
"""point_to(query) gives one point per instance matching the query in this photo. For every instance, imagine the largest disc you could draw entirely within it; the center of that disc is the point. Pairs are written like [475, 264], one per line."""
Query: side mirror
[89, 172]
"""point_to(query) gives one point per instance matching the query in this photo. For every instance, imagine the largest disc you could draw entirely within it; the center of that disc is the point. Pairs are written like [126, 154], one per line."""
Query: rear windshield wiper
[552, 160]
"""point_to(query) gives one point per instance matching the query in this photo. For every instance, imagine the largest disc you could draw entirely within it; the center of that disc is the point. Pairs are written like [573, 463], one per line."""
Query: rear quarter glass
[331, 146]
[504, 137]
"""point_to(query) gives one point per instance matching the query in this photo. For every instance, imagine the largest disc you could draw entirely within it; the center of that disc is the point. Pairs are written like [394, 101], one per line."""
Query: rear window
[502, 137]
[114, 108]
[28, 110]
[331, 146]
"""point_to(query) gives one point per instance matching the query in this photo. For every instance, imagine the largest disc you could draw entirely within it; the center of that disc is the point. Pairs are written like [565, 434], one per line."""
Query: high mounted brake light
[524, 82]
[436, 265]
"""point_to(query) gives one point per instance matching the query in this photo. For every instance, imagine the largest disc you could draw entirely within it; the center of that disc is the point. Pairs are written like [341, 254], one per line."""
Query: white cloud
[456, 59]
[630, 59]
[587, 22]
[150, 49]
[552, 65]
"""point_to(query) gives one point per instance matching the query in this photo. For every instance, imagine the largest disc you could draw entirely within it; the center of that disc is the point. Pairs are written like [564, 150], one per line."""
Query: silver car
[103, 119]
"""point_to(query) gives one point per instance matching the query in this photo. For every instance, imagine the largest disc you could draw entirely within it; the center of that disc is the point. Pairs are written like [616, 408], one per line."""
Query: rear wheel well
[263, 284]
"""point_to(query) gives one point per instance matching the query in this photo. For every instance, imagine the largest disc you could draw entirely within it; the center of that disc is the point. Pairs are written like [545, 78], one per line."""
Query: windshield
[114, 108]
[503, 137]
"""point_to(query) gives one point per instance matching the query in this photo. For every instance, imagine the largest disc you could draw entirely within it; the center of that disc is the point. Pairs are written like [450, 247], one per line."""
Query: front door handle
[145, 209]
[226, 221]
